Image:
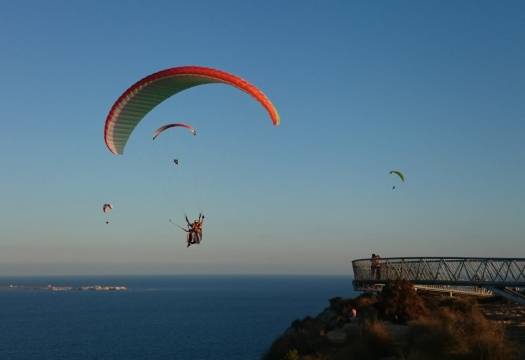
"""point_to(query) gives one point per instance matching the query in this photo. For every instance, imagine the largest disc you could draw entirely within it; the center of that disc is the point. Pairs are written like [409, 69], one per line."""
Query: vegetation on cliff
[398, 323]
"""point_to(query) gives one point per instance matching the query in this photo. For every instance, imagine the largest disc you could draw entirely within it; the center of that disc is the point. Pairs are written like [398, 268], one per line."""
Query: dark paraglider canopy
[399, 174]
[169, 126]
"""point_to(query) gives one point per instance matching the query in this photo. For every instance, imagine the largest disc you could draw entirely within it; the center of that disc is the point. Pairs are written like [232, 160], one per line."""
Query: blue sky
[433, 88]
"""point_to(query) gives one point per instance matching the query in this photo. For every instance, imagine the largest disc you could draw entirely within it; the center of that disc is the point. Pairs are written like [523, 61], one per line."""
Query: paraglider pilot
[194, 230]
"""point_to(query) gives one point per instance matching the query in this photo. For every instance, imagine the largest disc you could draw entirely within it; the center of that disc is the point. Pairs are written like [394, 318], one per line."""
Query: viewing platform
[474, 275]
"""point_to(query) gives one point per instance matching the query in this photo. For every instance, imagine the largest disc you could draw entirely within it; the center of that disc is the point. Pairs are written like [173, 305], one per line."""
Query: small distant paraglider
[106, 208]
[169, 126]
[399, 174]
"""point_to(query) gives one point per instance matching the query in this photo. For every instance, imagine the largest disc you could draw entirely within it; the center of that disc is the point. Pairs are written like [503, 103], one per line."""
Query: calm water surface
[170, 317]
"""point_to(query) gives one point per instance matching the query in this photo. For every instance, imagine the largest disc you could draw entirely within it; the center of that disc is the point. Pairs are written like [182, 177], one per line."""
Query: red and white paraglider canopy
[143, 96]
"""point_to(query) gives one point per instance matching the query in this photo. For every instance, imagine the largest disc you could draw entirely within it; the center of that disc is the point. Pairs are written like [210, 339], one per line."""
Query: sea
[159, 317]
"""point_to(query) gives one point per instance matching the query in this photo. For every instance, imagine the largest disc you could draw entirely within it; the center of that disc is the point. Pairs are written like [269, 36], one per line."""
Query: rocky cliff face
[396, 324]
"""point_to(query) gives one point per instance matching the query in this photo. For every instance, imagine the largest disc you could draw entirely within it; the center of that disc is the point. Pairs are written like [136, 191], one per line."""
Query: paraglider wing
[398, 173]
[143, 96]
[169, 126]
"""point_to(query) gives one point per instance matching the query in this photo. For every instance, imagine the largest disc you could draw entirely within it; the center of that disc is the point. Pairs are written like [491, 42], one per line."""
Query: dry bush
[399, 302]
[365, 300]
[375, 342]
[377, 337]
[304, 336]
[316, 357]
[292, 355]
[460, 332]
[463, 305]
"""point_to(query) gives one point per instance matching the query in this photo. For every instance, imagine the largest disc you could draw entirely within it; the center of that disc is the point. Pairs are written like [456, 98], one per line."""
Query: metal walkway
[477, 276]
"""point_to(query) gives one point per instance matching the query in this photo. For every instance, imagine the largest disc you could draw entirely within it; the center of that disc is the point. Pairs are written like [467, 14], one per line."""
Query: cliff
[399, 323]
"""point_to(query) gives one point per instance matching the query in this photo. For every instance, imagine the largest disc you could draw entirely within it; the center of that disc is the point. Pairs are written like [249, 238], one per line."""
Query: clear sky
[434, 88]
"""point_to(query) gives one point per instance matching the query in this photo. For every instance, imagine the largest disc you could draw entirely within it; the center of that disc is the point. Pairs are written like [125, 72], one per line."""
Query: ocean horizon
[158, 317]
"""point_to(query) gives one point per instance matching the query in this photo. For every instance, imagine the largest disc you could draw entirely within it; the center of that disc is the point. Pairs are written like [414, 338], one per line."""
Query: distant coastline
[62, 288]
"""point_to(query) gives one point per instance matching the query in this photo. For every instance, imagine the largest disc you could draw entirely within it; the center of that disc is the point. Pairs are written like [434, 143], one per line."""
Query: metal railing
[450, 289]
[453, 271]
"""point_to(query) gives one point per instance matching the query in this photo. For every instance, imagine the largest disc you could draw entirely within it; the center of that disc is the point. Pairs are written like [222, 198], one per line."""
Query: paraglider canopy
[398, 173]
[133, 105]
[169, 126]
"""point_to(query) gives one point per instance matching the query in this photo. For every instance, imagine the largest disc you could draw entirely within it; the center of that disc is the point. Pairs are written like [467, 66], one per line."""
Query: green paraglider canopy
[398, 173]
